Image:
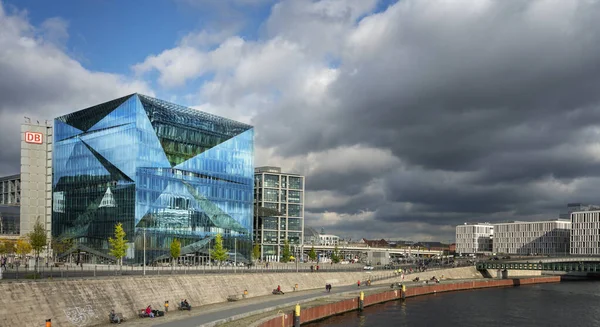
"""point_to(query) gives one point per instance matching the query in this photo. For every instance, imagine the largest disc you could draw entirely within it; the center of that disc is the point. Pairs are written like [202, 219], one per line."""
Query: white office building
[585, 232]
[474, 238]
[284, 193]
[550, 237]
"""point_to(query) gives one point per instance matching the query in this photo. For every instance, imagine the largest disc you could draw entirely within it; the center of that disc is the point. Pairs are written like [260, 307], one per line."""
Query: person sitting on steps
[114, 318]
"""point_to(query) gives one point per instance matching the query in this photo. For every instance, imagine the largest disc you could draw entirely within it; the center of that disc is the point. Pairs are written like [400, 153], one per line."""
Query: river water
[561, 304]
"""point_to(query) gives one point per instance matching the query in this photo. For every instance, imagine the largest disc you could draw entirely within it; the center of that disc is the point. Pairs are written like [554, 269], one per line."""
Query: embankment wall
[331, 309]
[86, 302]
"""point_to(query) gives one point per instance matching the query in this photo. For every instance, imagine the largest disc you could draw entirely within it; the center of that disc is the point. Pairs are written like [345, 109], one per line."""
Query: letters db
[32, 137]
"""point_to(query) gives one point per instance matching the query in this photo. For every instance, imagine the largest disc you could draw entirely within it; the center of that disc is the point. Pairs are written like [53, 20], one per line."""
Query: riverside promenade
[250, 312]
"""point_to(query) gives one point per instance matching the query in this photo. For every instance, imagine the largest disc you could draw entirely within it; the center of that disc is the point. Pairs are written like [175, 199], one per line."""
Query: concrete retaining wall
[86, 302]
[327, 310]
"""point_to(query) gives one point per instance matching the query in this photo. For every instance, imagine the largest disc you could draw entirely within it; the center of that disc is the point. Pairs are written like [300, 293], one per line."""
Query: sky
[406, 117]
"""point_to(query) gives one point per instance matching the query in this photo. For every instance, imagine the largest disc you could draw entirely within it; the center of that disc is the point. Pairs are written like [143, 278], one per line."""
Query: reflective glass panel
[295, 197]
[271, 181]
[294, 210]
[295, 183]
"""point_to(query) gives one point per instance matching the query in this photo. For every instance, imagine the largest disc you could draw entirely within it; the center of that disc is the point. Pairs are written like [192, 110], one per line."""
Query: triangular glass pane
[117, 146]
[73, 168]
[184, 132]
[64, 131]
[151, 154]
[123, 114]
[86, 118]
[115, 172]
[232, 160]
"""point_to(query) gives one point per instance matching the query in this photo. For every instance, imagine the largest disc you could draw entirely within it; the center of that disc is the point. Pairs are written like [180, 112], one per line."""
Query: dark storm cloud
[504, 92]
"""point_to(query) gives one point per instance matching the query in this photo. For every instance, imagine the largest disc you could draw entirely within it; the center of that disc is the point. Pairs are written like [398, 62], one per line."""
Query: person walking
[358, 283]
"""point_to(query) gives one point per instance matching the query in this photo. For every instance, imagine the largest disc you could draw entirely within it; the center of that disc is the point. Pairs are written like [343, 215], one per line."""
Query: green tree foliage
[312, 254]
[175, 250]
[256, 251]
[37, 239]
[3, 250]
[118, 245]
[335, 255]
[286, 253]
[60, 246]
[218, 252]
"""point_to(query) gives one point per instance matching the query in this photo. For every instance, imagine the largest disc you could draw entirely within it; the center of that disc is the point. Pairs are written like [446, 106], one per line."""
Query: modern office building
[36, 176]
[573, 207]
[162, 170]
[10, 190]
[10, 201]
[550, 237]
[474, 238]
[585, 232]
[284, 194]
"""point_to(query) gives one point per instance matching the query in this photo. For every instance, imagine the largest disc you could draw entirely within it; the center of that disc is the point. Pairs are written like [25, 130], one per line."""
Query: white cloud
[41, 81]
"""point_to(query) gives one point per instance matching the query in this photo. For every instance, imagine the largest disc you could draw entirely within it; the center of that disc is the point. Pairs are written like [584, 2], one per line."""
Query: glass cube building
[162, 170]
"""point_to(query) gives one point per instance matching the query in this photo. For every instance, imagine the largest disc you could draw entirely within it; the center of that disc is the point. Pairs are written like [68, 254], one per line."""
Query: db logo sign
[35, 138]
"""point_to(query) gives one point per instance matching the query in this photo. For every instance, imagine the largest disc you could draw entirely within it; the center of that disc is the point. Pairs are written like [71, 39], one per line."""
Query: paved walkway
[211, 315]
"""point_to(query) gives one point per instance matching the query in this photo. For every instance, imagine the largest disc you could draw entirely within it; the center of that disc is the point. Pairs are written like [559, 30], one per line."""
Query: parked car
[368, 267]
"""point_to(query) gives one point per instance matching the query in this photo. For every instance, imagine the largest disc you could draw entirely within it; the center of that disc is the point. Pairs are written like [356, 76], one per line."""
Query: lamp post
[235, 254]
[144, 265]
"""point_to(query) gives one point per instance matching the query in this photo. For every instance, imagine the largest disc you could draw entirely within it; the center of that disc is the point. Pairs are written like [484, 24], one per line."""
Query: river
[561, 304]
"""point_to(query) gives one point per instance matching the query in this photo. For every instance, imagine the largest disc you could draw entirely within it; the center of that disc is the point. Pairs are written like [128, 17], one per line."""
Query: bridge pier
[501, 273]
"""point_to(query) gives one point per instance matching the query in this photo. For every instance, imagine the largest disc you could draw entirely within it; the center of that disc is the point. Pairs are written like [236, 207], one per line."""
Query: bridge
[567, 264]
[397, 251]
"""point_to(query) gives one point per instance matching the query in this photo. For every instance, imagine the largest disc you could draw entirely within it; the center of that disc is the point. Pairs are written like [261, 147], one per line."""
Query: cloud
[423, 115]
[406, 120]
[41, 81]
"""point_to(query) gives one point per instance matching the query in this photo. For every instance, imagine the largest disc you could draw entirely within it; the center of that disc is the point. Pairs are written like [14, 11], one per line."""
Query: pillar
[297, 316]
[361, 301]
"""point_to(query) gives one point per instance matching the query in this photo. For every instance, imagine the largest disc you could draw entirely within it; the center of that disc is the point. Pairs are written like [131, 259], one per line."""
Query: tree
[256, 251]
[23, 247]
[118, 245]
[218, 252]
[286, 253]
[37, 239]
[175, 250]
[312, 255]
[60, 246]
[335, 255]
[7, 247]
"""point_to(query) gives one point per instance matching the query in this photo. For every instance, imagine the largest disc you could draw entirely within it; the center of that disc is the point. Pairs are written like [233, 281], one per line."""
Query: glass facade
[157, 167]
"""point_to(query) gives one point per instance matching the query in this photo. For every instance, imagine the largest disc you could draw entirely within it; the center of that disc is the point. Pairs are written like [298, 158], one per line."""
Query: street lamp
[144, 232]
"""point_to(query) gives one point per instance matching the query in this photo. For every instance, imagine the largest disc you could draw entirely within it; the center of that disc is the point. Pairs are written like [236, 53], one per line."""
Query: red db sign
[32, 137]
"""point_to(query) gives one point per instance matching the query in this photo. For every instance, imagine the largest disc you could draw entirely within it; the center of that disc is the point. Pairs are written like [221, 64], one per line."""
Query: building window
[294, 224]
[271, 181]
[271, 195]
[294, 210]
[270, 237]
[295, 197]
[295, 183]
[270, 223]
